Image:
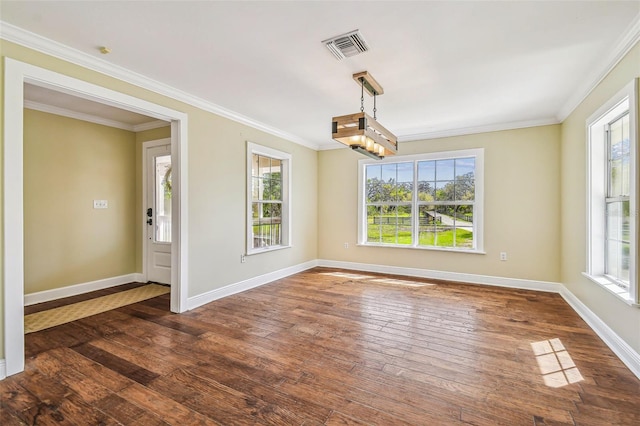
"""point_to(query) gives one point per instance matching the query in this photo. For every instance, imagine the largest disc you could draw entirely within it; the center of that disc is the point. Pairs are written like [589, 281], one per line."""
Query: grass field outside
[429, 236]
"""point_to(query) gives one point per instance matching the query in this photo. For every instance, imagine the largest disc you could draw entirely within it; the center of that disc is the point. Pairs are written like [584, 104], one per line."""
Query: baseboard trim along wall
[547, 286]
[228, 290]
[3, 369]
[76, 289]
[626, 353]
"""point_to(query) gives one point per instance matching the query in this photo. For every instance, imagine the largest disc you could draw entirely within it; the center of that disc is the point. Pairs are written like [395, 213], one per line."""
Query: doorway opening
[17, 74]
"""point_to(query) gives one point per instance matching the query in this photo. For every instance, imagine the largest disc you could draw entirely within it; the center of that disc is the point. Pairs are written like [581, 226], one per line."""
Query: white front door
[158, 213]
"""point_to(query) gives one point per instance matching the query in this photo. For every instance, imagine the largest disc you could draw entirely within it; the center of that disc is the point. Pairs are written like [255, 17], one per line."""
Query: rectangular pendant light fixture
[362, 132]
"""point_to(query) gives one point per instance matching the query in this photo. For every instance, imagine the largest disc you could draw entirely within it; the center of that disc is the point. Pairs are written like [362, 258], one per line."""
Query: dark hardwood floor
[328, 347]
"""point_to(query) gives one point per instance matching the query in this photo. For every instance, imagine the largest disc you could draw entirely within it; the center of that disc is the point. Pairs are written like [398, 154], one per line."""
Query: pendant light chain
[361, 95]
[374, 106]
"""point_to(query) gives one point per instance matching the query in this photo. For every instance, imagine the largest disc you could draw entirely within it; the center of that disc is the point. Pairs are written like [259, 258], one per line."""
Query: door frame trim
[16, 73]
[145, 183]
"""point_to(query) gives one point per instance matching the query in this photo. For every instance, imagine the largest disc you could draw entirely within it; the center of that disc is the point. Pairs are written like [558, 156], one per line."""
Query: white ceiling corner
[625, 42]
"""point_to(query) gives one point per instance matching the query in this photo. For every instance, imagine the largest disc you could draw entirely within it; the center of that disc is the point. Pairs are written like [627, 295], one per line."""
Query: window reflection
[555, 363]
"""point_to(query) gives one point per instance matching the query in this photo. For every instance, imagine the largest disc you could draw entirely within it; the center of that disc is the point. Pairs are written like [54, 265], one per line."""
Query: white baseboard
[547, 286]
[3, 369]
[74, 290]
[626, 353]
[228, 290]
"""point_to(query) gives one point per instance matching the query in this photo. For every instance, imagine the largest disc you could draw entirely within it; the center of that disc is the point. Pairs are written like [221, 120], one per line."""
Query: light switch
[100, 204]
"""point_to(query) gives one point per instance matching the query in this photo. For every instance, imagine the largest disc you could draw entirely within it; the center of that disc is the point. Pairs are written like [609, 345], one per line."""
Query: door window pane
[163, 199]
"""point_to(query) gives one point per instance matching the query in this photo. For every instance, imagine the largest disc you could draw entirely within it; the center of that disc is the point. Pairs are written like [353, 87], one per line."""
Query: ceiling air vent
[345, 45]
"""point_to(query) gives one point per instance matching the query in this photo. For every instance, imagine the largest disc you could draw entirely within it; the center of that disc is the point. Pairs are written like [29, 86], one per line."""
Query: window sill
[611, 287]
[266, 249]
[447, 249]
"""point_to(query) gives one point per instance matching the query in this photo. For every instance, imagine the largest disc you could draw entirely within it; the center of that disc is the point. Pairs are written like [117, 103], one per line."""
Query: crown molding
[624, 44]
[58, 50]
[460, 131]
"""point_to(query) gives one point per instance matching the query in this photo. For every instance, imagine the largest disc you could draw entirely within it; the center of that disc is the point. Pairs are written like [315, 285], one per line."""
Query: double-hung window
[612, 195]
[268, 199]
[431, 201]
[618, 219]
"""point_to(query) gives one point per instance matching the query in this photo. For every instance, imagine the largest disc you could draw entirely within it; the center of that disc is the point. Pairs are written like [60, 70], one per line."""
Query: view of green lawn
[438, 236]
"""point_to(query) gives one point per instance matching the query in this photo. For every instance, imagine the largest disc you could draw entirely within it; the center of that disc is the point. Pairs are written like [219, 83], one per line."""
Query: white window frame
[253, 148]
[478, 222]
[597, 172]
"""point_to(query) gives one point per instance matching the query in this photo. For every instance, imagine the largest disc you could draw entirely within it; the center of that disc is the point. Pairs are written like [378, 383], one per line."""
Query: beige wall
[50, 136]
[623, 319]
[67, 164]
[216, 173]
[521, 207]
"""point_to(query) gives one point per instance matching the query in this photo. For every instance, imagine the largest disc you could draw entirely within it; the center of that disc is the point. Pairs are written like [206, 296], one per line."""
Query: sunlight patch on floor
[374, 279]
[401, 282]
[555, 363]
[347, 275]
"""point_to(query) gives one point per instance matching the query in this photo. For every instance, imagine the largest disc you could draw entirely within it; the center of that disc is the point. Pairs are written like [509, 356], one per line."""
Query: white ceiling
[445, 66]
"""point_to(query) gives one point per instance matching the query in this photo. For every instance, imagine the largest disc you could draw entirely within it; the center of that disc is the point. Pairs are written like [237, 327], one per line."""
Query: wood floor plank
[116, 363]
[170, 410]
[126, 412]
[270, 394]
[89, 390]
[15, 401]
[221, 403]
[107, 377]
[328, 347]
[338, 419]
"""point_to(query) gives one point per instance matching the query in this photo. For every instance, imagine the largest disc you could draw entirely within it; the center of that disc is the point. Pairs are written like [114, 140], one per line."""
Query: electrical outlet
[503, 255]
[346, 245]
[243, 258]
[100, 204]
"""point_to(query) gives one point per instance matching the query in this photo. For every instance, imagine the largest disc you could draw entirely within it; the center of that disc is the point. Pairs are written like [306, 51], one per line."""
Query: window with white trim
[612, 195]
[429, 201]
[268, 199]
